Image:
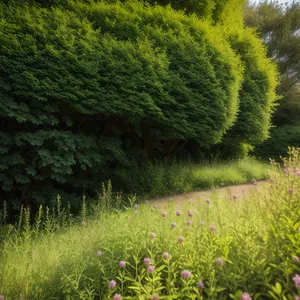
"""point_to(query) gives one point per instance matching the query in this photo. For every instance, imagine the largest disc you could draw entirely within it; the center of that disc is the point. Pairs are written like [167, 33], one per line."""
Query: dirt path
[229, 191]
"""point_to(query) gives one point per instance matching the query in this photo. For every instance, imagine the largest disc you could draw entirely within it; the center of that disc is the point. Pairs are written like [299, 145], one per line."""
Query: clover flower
[147, 261]
[180, 239]
[150, 269]
[296, 280]
[155, 298]
[164, 214]
[234, 196]
[212, 228]
[112, 284]
[99, 253]
[220, 261]
[178, 213]
[173, 225]
[185, 274]
[122, 264]
[296, 259]
[152, 235]
[117, 297]
[200, 285]
[245, 296]
[190, 214]
[166, 255]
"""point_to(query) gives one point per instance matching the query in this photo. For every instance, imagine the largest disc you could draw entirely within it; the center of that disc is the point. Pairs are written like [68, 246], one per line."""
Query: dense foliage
[233, 247]
[86, 86]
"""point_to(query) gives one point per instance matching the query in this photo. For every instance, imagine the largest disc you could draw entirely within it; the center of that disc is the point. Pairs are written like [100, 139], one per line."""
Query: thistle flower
[212, 228]
[185, 274]
[147, 261]
[166, 255]
[178, 213]
[112, 284]
[152, 235]
[190, 214]
[122, 264]
[296, 280]
[180, 239]
[220, 261]
[164, 214]
[150, 269]
[99, 253]
[296, 259]
[155, 298]
[173, 225]
[117, 297]
[245, 296]
[200, 285]
[83, 224]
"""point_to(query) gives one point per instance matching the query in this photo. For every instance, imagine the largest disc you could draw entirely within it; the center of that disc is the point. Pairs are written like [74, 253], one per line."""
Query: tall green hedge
[85, 87]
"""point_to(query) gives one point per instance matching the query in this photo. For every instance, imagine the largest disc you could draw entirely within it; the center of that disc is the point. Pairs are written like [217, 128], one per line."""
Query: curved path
[228, 191]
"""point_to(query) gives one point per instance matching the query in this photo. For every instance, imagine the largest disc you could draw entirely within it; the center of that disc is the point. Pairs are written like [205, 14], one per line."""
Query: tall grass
[162, 178]
[228, 248]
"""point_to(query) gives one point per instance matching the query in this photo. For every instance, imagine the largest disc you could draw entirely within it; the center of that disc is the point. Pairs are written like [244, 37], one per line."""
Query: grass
[236, 248]
[161, 178]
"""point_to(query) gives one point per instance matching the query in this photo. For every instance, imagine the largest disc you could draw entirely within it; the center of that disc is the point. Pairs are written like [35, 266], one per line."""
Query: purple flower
[152, 235]
[99, 253]
[150, 269]
[207, 201]
[155, 298]
[202, 223]
[117, 297]
[173, 225]
[220, 261]
[147, 261]
[178, 213]
[189, 222]
[200, 285]
[164, 214]
[122, 264]
[166, 255]
[296, 259]
[137, 212]
[296, 280]
[83, 224]
[212, 228]
[234, 196]
[112, 284]
[190, 214]
[245, 296]
[180, 239]
[185, 274]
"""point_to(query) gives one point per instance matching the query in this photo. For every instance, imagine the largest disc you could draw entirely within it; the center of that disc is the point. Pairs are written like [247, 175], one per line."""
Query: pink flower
[296, 280]
[147, 261]
[112, 284]
[155, 298]
[245, 296]
[122, 264]
[173, 225]
[212, 228]
[185, 274]
[164, 214]
[200, 285]
[220, 261]
[152, 235]
[178, 213]
[166, 255]
[180, 239]
[117, 297]
[150, 269]
[99, 253]
[190, 214]
[234, 197]
[1, 297]
[83, 224]
[296, 259]
[189, 222]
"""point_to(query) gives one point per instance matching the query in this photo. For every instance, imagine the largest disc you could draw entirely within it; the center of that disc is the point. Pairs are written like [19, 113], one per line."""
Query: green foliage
[256, 236]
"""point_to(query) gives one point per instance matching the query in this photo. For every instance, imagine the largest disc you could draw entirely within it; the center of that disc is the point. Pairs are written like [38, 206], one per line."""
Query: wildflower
[152, 235]
[137, 212]
[212, 228]
[122, 264]
[180, 239]
[220, 261]
[99, 253]
[164, 214]
[1, 297]
[296, 280]
[117, 297]
[200, 285]
[166, 255]
[207, 201]
[147, 261]
[173, 225]
[83, 224]
[189, 222]
[245, 296]
[150, 269]
[112, 284]
[296, 259]
[234, 196]
[190, 214]
[185, 274]
[202, 223]
[155, 298]
[178, 213]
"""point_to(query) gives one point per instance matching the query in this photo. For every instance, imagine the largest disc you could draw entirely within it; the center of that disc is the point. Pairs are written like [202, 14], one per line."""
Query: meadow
[237, 247]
